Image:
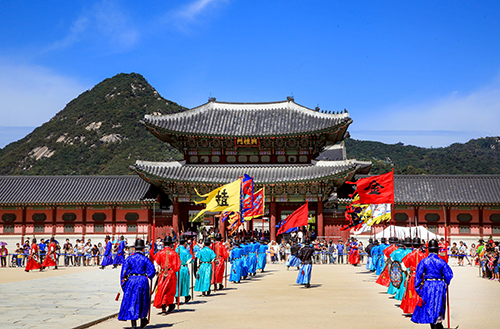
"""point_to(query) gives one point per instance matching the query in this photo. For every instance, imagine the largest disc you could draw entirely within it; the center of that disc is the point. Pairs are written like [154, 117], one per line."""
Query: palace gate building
[296, 153]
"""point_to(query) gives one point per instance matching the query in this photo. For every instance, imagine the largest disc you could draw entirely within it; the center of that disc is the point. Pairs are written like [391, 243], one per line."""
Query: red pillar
[272, 222]
[222, 227]
[175, 217]
[319, 217]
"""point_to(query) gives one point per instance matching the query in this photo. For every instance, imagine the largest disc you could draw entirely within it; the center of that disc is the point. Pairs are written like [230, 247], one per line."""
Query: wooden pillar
[319, 219]
[481, 229]
[175, 217]
[23, 233]
[84, 220]
[222, 227]
[272, 220]
[113, 222]
[54, 220]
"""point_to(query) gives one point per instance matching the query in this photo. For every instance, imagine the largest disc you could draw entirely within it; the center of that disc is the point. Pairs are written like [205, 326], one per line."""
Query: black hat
[207, 242]
[218, 237]
[108, 237]
[182, 240]
[376, 242]
[121, 238]
[417, 242]
[139, 244]
[34, 240]
[370, 240]
[433, 246]
[408, 242]
[168, 240]
[52, 239]
[383, 240]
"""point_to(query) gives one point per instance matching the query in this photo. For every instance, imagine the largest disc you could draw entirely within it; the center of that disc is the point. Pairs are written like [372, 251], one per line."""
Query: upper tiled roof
[446, 189]
[219, 174]
[247, 119]
[72, 189]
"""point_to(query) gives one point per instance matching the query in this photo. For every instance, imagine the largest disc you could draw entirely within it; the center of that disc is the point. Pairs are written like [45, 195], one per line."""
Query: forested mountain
[98, 133]
[477, 156]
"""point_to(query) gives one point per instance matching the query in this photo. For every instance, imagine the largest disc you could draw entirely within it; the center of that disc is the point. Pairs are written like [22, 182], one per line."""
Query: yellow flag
[224, 198]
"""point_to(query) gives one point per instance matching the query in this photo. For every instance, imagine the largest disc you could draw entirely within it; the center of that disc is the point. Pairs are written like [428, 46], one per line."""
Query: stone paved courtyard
[341, 296]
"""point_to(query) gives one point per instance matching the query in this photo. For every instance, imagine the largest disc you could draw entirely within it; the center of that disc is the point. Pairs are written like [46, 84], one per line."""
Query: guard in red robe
[169, 263]
[33, 262]
[51, 259]
[218, 266]
[411, 298]
[354, 252]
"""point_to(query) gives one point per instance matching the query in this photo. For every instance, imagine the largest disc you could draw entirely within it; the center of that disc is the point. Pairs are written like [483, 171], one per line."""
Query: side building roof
[17, 190]
[221, 119]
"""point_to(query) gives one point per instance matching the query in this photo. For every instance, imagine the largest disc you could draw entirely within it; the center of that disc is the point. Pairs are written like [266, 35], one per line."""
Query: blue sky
[425, 73]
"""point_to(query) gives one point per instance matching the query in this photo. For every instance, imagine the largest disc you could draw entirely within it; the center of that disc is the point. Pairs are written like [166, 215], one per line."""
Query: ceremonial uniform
[411, 298]
[354, 253]
[219, 263]
[204, 275]
[262, 256]
[183, 274]
[33, 262]
[120, 255]
[432, 278]
[244, 262]
[252, 258]
[381, 260]
[108, 255]
[375, 254]
[169, 263]
[51, 259]
[305, 255]
[293, 260]
[368, 251]
[136, 301]
[236, 264]
[397, 256]
[384, 278]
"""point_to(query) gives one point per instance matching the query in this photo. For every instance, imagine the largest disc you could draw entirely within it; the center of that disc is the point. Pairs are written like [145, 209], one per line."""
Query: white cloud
[452, 118]
[31, 95]
[192, 13]
[105, 20]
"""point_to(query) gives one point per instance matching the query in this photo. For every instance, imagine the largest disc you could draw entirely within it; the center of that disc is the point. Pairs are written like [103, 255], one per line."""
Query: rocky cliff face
[96, 133]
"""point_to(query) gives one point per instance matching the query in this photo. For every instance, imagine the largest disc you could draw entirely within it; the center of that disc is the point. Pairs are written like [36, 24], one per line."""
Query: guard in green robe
[204, 275]
[183, 274]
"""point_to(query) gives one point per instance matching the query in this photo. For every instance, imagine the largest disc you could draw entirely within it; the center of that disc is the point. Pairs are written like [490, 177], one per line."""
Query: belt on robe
[184, 265]
[236, 258]
[433, 279]
[134, 274]
[205, 262]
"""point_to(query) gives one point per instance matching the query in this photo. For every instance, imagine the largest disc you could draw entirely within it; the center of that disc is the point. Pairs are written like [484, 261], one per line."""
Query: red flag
[376, 189]
[297, 219]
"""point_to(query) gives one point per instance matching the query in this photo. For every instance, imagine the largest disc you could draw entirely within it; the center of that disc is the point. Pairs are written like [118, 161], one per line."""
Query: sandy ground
[14, 274]
[341, 296]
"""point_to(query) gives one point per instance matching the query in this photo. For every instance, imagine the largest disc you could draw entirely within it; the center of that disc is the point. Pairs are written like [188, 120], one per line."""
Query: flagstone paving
[341, 296]
[62, 301]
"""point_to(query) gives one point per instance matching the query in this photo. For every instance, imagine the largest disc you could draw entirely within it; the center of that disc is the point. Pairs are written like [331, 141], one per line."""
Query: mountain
[96, 133]
[476, 157]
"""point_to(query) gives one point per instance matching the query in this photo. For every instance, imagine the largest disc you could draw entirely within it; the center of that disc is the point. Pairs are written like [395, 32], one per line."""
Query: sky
[424, 73]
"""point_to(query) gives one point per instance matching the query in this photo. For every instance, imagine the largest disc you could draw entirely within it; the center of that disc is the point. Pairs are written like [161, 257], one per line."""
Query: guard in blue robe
[432, 278]
[107, 258]
[120, 255]
[381, 260]
[402, 252]
[305, 254]
[368, 251]
[204, 275]
[262, 255]
[135, 284]
[376, 254]
[252, 257]
[236, 263]
[183, 278]
[293, 260]
[244, 262]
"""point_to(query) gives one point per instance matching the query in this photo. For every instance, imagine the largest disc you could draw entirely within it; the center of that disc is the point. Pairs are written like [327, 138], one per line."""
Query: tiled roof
[276, 173]
[247, 119]
[447, 189]
[72, 189]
